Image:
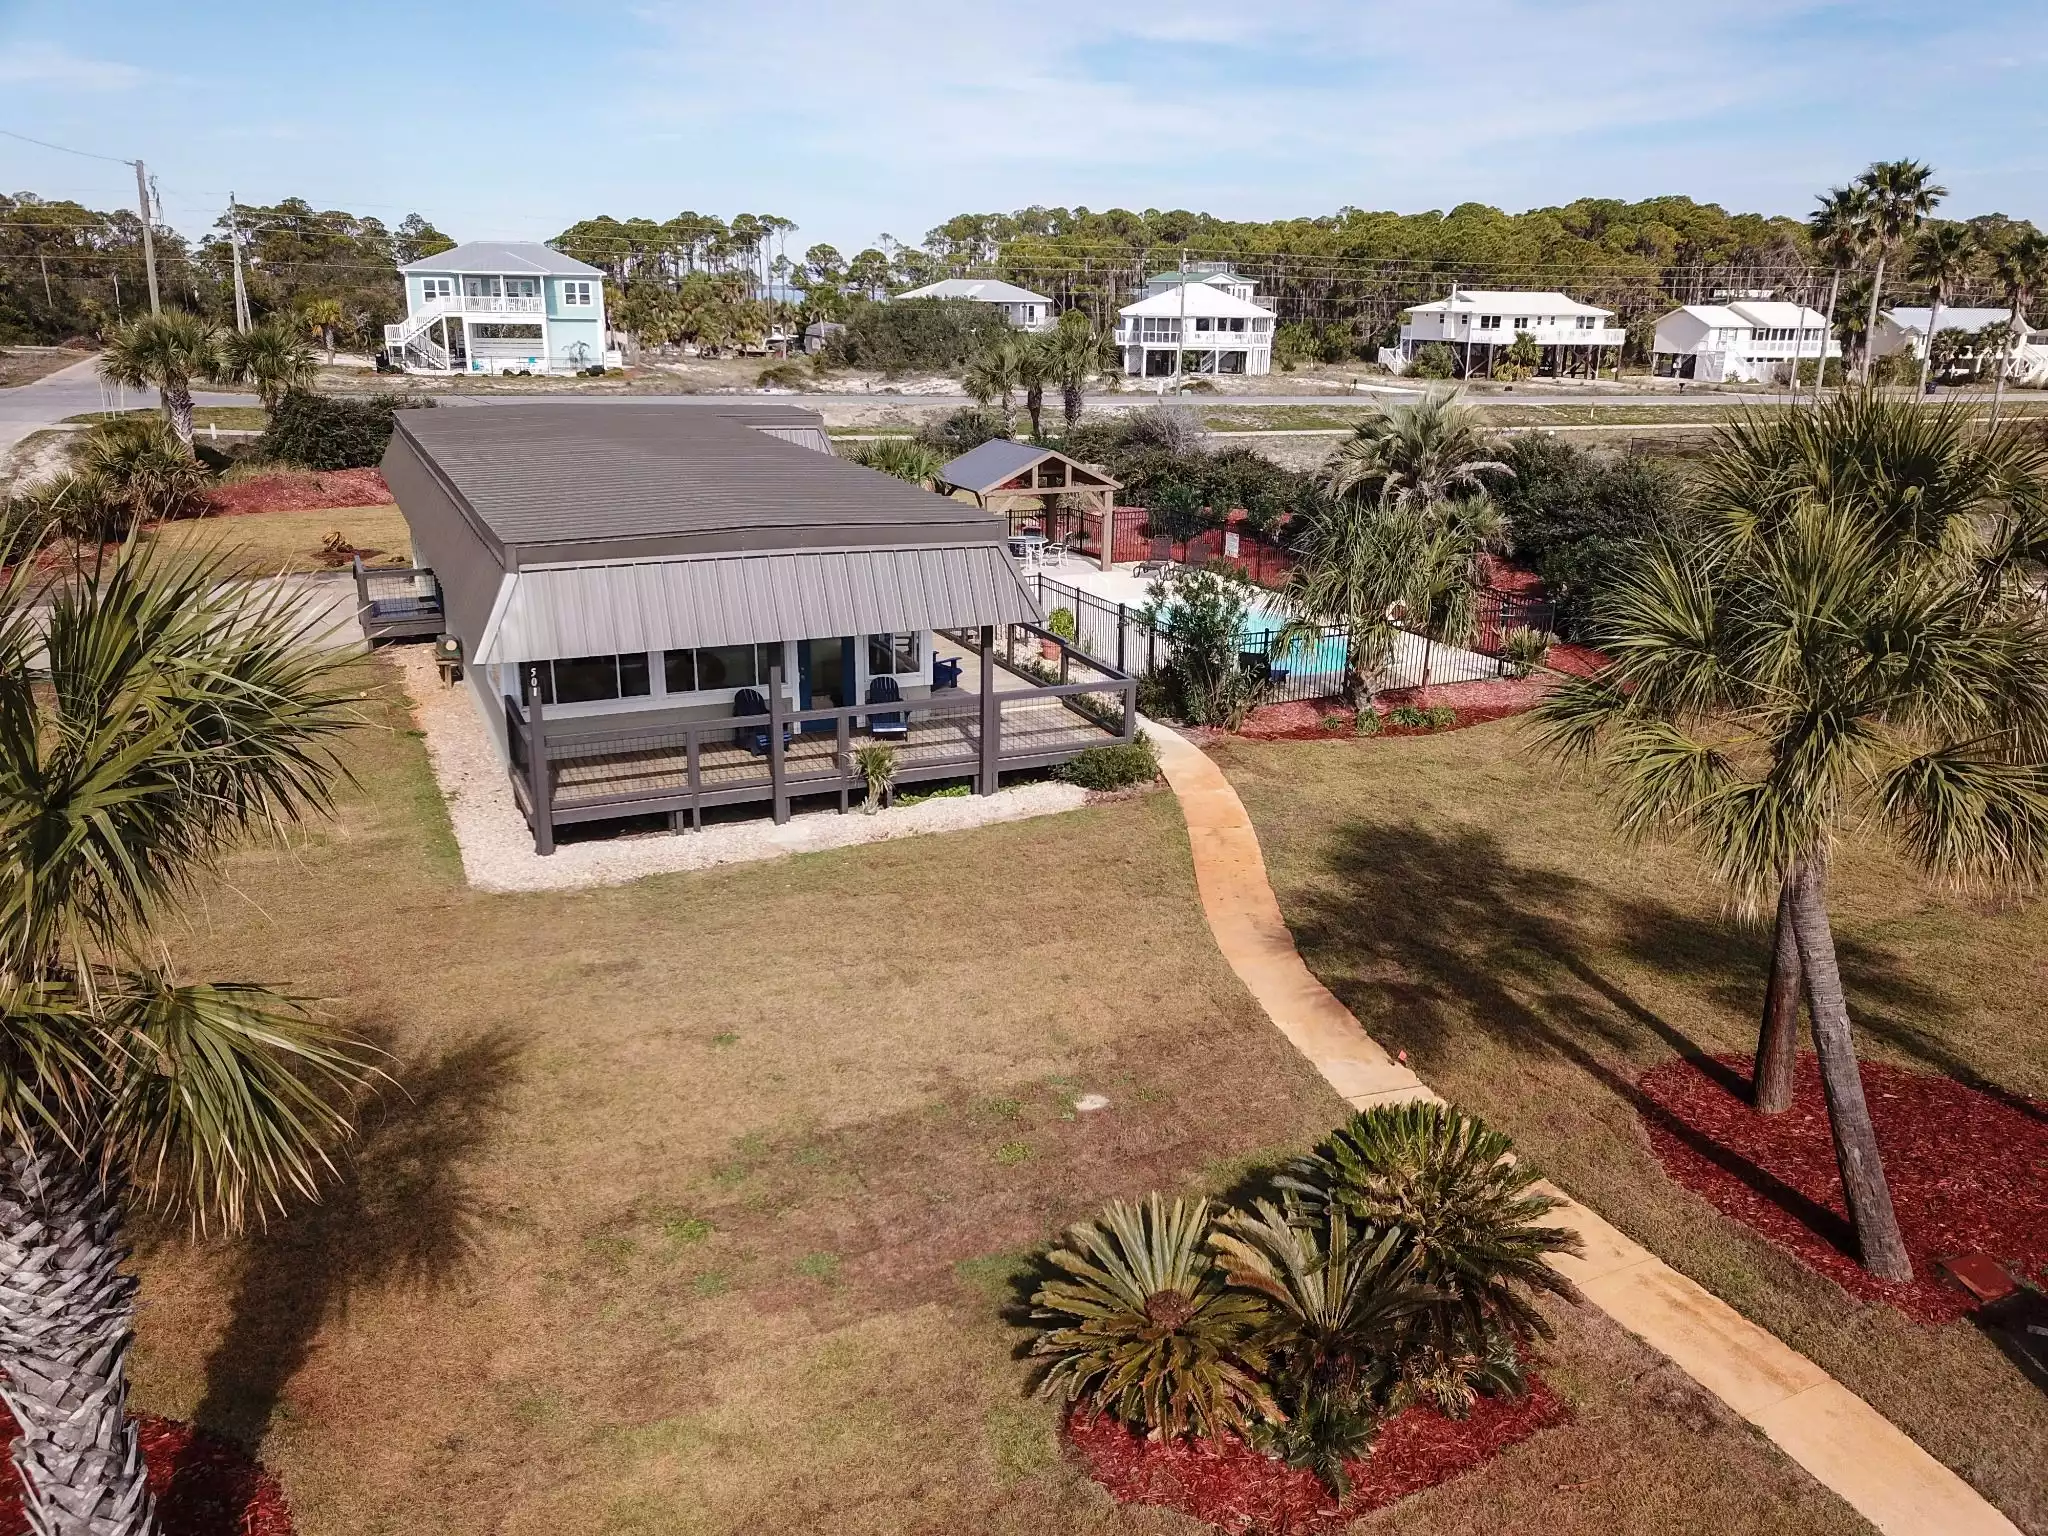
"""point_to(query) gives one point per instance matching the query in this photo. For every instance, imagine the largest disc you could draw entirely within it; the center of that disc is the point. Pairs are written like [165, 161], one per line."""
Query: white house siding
[1746, 341]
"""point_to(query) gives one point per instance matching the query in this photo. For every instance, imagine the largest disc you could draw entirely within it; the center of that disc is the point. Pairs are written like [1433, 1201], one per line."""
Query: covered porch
[1017, 697]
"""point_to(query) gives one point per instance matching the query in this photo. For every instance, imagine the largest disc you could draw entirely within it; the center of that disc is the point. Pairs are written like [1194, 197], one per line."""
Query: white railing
[492, 304]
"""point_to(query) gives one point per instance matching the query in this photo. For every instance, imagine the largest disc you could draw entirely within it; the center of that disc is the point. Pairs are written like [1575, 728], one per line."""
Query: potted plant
[1061, 622]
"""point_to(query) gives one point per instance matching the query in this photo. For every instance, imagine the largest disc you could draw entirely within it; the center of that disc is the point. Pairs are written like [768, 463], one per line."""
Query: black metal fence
[1311, 664]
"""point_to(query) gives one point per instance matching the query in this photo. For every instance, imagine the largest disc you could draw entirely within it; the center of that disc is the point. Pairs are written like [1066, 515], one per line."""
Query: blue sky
[864, 116]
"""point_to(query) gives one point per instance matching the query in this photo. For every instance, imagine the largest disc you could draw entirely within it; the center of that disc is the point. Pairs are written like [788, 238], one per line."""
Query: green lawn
[229, 418]
[696, 1203]
[1471, 904]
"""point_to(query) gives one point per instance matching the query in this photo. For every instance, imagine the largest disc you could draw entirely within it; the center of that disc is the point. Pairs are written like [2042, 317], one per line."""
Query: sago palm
[272, 358]
[166, 352]
[148, 721]
[1143, 1327]
[1944, 256]
[1769, 689]
[1927, 486]
[1470, 1220]
[1899, 195]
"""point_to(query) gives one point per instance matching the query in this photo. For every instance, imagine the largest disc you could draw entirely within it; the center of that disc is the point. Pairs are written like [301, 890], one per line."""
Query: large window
[432, 288]
[587, 679]
[892, 655]
[712, 667]
[576, 294]
[1489, 322]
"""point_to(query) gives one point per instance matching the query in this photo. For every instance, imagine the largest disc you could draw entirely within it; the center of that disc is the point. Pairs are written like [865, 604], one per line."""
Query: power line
[65, 149]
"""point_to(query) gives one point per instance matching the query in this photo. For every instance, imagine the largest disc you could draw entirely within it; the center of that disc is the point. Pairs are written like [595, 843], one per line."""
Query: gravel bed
[497, 848]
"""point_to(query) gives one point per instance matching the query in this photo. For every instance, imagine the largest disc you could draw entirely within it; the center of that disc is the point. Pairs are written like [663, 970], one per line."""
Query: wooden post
[693, 758]
[1108, 506]
[842, 748]
[362, 594]
[537, 787]
[991, 711]
[775, 789]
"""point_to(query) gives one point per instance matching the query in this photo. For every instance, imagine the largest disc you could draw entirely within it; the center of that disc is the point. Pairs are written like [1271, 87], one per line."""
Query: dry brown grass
[24, 365]
[1471, 904]
[265, 543]
[698, 1203]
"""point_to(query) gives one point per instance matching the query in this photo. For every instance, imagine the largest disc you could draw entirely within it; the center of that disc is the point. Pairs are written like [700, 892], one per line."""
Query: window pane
[633, 679]
[767, 657]
[679, 671]
[906, 653]
[726, 666]
[584, 679]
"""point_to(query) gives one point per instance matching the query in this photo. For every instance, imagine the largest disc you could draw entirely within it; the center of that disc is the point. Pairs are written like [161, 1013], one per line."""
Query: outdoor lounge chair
[1053, 556]
[896, 724]
[945, 671]
[748, 705]
[1158, 560]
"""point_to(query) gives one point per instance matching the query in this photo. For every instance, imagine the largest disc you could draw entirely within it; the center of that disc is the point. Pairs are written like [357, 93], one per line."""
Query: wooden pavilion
[1003, 473]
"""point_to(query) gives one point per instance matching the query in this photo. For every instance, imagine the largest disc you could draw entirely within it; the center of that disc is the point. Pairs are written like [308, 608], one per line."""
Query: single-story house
[500, 306]
[662, 608]
[1751, 341]
[1480, 324]
[1025, 310]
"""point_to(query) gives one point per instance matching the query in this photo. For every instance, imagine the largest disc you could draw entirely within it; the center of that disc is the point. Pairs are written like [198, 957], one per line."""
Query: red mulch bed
[1578, 660]
[1476, 703]
[300, 490]
[1226, 1483]
[204, 1486]
[1968, 1170]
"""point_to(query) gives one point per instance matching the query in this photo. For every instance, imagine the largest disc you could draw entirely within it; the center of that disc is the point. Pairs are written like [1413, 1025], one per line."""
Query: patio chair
[895, 725]
[1053, 556]
[748, 704]
[1158, 559]
[945, 671]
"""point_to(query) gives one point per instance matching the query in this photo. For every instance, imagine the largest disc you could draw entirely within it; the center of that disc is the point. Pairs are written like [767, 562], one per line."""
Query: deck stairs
[411, 343]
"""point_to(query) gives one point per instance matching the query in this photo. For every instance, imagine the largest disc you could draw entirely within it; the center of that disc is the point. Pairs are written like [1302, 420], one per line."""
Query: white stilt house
[1479, 325]
[1203, 320]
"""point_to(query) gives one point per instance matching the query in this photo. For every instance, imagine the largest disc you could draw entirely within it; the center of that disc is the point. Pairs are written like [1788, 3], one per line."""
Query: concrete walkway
[1841, 1440]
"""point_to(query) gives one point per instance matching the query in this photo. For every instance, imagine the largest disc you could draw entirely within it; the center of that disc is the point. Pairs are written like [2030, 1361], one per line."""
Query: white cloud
[48, 64]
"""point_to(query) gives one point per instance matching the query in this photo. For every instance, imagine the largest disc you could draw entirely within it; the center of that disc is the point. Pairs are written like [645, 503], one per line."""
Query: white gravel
[497, 848]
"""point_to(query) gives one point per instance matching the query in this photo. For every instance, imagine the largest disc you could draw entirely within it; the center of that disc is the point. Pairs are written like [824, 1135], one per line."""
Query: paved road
[1129, 397]
[70, 392]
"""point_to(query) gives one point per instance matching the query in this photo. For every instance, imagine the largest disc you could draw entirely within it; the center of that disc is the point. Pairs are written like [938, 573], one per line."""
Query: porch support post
[776, 790]
[538, 790]
[1108, 506]
[991, 711]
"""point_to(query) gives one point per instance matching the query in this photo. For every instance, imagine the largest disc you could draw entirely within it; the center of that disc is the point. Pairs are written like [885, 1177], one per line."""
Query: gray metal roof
[590, 480]
[655, 605]
[991, 464]
[515, 256]
[986, 290]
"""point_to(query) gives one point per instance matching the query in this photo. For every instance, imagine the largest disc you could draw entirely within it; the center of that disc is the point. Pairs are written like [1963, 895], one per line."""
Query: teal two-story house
[499, 306]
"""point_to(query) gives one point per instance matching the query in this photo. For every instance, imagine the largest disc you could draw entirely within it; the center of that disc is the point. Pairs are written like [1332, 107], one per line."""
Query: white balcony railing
[490, 304]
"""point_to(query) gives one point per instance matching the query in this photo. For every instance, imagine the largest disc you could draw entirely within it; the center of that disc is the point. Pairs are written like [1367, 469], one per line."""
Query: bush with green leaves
[1433, 360]
[875, 762]
[332, 432]
[1523, 649]
[1201, 613]
[916, 335]
[905, 458]
[123, 474]
[960, 431]
[1366, 722]
[1117, 766]
[1142, 1326]
[788, 374]
[1402, 1259]
[1061, 622]
[1471, 1220]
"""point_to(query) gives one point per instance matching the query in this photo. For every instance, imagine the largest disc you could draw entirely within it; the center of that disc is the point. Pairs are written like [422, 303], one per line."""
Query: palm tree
[1901, 194]
[1943, 256]
[2021, 269]
[1035, 370]
[165, 352]
[152, 718]
[1840, 228]
[1419, 454]
[1842, 651]
[1077, 356]
[271, 357]
[992, 375]
[1351, 569]
[1449, 571]
[323, 317]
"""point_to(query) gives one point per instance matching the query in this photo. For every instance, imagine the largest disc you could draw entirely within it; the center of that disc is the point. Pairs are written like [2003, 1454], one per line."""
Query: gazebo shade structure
[1002, 472]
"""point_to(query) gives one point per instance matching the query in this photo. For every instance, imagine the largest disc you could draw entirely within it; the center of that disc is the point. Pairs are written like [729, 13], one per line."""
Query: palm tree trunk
[1777, 1043]
[1827, 334]
[1870, 321]
[1933, 330]
[1427, 657]
[1883, 1246]
[1070, 403]
[1034, 407]
[67, 1312]
[177, 397]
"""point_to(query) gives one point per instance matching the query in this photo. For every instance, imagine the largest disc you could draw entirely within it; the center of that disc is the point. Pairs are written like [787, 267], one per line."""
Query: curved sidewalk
[1846, 1445]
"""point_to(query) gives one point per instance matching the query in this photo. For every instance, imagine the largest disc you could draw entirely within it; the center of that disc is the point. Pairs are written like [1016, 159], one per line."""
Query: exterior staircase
[410, 343]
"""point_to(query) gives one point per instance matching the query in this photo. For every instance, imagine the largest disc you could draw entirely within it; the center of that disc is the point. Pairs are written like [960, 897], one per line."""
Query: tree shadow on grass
[1445, 932]
[402, 1213]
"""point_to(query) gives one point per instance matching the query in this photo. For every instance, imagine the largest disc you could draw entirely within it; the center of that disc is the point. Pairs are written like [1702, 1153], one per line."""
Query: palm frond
[1970, 816]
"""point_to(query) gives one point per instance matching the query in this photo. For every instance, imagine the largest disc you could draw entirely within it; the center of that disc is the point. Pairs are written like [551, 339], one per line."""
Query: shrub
[1333, 722]
[330, 432]
[1433, 360]
[910, 335]
[875, 762]
[1114, 767]
[1523, 649]
[125, 472]
[1367, 722]
[783, 375]
[956, 432]
[1143, 1327]
[1205, 680]
[1469, 1221]
[1408, 715]
[904, 457]
[1061, 622]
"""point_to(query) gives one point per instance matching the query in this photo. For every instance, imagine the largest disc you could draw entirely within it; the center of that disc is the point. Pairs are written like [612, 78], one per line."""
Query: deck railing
[396, 602]
[563, 773]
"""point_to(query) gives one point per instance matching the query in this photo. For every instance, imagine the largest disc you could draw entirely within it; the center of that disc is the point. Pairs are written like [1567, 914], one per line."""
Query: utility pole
[48, 302]
[235, 240]
[148, 240]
